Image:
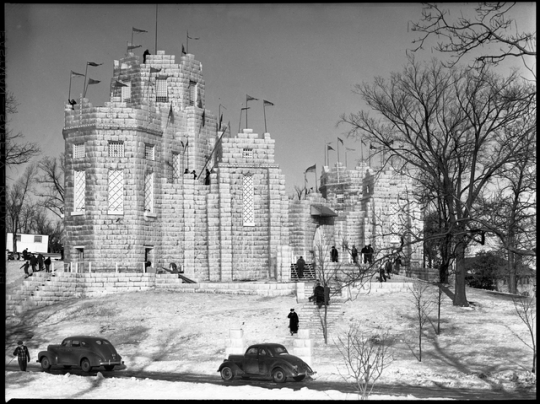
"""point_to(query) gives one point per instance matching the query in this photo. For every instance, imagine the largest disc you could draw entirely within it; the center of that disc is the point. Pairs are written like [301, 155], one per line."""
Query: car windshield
[279, 350]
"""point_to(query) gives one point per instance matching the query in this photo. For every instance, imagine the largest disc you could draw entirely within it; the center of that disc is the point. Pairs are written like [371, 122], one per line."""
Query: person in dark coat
[26, 265]
[388, 267]
[365, 253]
[326, 295]
[319, 295]
[145, 54]
[47, 263]
[397, 264]
[300, 264]
[207, 178]
[22, 354]
[33, 262]
[370, 253]
[354, 254]
[334, 254]
[40, 262]
[25, 254]
[293, 322]
[381, 274]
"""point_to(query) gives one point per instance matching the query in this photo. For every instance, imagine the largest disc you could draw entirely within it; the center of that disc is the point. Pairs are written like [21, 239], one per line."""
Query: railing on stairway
[309, 272]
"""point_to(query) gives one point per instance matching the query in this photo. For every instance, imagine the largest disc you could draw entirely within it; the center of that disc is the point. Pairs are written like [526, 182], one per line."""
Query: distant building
[36, 243]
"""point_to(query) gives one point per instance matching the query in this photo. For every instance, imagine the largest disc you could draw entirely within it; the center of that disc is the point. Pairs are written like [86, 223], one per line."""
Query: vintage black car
[86, 352]
[265, 361]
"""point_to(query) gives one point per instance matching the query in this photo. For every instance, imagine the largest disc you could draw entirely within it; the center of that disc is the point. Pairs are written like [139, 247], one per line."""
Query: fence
[105, 267]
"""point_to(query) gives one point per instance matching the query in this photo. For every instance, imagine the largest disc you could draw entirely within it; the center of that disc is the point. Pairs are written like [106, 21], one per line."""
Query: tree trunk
[460, 297]
[512, 281]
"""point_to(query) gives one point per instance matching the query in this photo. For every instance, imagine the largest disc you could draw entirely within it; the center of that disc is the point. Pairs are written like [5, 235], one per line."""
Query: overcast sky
[304, 58]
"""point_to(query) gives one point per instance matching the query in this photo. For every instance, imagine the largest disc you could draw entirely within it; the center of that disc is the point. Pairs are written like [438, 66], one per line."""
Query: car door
[264, 359]
[75, 352]
[251, 361]
[63, 352]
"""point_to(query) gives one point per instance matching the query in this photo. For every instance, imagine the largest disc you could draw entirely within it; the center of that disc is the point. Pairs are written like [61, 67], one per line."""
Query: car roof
[85, 337]
[267, 344]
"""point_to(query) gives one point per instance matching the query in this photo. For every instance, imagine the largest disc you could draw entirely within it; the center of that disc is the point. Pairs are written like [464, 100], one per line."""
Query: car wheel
[67, 366]
[109, 367]
[279, 375]
[299, 378]
[45, 363]
[85, 365]
[227, 373]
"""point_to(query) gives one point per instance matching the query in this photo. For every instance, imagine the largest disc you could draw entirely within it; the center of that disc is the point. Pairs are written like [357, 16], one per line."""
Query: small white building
[35, 243]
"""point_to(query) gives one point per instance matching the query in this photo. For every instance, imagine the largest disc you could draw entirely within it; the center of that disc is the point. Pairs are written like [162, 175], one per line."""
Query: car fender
[237, 369]
[49, 355]
[93, 358]
[285, 366]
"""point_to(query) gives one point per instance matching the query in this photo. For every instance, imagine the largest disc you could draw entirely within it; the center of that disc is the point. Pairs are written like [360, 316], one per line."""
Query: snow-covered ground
[186, 333]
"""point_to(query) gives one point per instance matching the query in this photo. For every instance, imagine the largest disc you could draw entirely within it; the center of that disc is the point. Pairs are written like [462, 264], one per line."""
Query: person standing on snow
[22, 354]
[293, 322]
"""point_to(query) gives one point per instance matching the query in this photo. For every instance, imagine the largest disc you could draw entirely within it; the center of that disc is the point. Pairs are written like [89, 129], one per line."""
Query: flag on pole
[340, 140]
[94, 64]
[350, 149]
[183, 50]
[131, 47]
[220, 119]
[138, 30]
[203, 117]
[330, 147]
[250, 98]
[154, 69]
[171, 115]
[267, 103]
[119, 84]
[92, 81]
[191, 37]
[311, 169]
[76, 74]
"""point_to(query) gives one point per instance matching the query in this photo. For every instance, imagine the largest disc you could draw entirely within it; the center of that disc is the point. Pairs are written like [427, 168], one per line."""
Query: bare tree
[301, 193]
[450, 126]
[52, 182]
[422, 298]
[492, 32]
[526, 310]
[17, 153]
[365, 357]
[17, 198]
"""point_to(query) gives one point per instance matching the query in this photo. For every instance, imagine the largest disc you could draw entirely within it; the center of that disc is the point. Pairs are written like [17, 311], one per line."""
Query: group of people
[38, 263]
[388, 267]
[321, 295]
[367, 253]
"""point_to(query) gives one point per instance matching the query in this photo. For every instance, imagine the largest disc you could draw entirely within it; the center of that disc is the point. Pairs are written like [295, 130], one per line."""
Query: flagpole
[316, 190]
[84, 84]
[246, 113]
[264, 112]
[240, 122]
[69, 94]
[156, 28]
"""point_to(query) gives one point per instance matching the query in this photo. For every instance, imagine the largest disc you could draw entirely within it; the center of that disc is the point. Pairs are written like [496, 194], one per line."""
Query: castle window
[149, 192]
[18, 237]
[161, 90]
[176, 167]
[80, 190]
[149, 152]
[38, 239]
[116, 149]
[247, 153]
[192, 92]
[126, 92]
[78, 151]
[248, 208]
[116, 191]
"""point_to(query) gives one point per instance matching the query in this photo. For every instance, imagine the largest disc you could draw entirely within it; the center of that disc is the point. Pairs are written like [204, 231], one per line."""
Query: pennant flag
[171, 115]
[372, 147]
[94, 64]
[243, 109]
[138, 30]
[350, 149]
[119, 84]
[76, 74]
[154, 69]
[191, 37]
[311, 169]
[203, 117]
[329, 147]
[220, 119]
[131, 47]
[340, 140]
[92, 81]
[250, 98]
[267, 103]
[183, 50]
